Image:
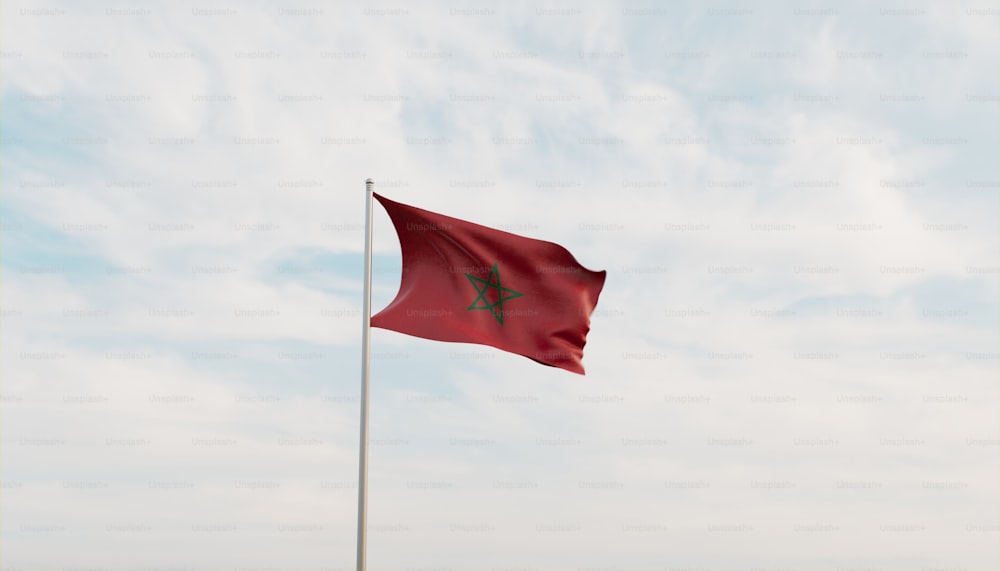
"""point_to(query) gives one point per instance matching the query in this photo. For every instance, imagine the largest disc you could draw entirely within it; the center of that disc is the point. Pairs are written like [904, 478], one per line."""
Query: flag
[462, 282]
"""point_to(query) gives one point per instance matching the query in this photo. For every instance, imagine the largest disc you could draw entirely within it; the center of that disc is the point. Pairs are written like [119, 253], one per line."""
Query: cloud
[796, 344]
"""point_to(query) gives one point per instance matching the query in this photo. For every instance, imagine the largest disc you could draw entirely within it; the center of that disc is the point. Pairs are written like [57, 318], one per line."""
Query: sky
[793, 363]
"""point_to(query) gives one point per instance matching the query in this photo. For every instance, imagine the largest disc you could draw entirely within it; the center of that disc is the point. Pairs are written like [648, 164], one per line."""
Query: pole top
[369, 182]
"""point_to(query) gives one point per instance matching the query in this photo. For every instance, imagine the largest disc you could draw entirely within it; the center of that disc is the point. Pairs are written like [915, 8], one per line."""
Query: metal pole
[366, 312]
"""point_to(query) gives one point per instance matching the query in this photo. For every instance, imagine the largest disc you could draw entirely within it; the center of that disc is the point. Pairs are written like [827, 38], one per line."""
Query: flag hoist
[466, 283]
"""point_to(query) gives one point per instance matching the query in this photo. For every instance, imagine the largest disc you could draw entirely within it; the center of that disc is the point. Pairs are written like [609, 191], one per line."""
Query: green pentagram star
[482, 286]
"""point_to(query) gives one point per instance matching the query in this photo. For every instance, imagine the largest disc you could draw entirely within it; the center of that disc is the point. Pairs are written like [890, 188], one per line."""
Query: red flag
[467, 283]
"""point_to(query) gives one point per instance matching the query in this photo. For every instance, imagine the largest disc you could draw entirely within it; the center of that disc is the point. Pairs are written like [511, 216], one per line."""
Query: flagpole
[366, 311]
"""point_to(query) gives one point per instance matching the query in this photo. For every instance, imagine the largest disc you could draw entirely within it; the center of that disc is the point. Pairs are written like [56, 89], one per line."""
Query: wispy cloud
[796, 348]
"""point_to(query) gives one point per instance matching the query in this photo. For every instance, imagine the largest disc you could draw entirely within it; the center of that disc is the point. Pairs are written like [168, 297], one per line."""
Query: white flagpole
[366, 311]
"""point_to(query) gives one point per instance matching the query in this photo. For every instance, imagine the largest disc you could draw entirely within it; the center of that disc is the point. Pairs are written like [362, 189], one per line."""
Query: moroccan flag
[467, 283]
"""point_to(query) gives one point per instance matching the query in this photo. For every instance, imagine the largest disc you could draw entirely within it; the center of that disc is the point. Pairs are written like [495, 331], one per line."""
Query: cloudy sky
[793, 363]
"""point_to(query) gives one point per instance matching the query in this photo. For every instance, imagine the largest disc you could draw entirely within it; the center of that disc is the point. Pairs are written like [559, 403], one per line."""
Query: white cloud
[796, 345]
